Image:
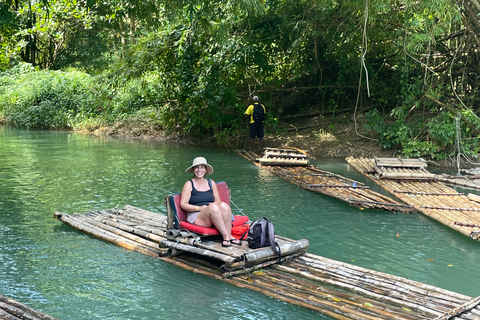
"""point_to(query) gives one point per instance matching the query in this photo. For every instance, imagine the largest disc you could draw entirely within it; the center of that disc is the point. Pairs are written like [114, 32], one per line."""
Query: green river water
[70, 275]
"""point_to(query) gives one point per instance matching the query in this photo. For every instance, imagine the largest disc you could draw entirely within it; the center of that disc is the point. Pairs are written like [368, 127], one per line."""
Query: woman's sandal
[226, 243]
[236, 241]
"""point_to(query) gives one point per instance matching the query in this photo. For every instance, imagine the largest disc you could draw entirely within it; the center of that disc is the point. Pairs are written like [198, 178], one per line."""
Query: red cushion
[211, 231]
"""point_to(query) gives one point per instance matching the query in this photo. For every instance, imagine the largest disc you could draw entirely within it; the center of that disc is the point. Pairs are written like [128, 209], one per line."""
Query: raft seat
[180, 216]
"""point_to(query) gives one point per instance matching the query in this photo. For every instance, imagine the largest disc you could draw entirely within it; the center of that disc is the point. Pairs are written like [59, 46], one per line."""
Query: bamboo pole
[127, 235]
[200, 251]
[240, 267]
[106, 235]
[396, 299]
[7, 316]
[16, 312]
[21, 309]
[314, 289]
[374, 309]
[460, 309]
[346, 273]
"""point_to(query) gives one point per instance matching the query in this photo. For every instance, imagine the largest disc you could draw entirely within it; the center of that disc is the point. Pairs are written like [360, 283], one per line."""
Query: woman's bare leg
[213, 215]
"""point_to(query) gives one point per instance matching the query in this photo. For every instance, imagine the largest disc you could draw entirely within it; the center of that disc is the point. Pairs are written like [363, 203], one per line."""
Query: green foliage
[43, 99]
[432, 138]
[191, 66]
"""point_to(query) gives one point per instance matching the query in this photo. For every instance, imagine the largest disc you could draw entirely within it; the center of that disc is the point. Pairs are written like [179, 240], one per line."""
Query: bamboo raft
[336, 289]
[471, 182]
[333, 185]
[423, 192]
[13, 310]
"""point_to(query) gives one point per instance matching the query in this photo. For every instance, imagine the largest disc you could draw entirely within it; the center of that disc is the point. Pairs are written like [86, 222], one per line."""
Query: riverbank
[320, 136]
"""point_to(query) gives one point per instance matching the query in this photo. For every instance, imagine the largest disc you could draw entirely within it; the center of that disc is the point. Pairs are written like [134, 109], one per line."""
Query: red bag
[239, 231]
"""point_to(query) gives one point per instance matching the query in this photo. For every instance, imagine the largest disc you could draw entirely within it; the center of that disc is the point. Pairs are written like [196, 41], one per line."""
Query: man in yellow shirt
[256, 113]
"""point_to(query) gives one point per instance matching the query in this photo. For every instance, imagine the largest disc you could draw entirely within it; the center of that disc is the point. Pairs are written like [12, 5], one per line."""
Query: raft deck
[309, 177]
[408, 180]
[336, 289]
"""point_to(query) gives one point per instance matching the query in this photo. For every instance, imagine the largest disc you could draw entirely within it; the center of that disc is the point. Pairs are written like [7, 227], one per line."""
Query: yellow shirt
[250, 112]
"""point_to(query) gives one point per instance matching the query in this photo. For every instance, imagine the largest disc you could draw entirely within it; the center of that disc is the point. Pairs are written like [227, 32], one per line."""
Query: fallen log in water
[336, 289]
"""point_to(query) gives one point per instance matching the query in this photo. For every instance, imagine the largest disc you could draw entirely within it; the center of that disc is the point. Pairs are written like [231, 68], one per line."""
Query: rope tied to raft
[236, 207]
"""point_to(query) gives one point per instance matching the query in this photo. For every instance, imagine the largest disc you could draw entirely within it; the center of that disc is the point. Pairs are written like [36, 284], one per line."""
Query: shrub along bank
[75, 100]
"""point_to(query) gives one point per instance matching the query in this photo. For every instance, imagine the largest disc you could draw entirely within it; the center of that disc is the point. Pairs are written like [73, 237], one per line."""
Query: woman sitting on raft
[201, 201]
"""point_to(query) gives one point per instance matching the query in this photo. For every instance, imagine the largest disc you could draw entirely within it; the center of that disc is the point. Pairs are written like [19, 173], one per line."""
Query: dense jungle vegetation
[409, 68]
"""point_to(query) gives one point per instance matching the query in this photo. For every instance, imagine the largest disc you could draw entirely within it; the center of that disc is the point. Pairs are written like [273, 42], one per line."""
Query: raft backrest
[180, 215]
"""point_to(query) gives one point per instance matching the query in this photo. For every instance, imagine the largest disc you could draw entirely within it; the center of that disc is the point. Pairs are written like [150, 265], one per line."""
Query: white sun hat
[198, 161]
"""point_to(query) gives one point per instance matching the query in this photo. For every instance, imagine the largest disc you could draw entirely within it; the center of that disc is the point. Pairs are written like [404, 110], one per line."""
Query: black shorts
[256, 129]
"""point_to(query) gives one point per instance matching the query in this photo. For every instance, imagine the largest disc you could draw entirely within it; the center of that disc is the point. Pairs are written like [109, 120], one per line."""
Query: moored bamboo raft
[430, 197]
[11, 309]
[314, 179]
[336, 289]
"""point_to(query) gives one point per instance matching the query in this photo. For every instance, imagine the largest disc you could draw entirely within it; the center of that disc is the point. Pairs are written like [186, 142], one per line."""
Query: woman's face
[200, 170]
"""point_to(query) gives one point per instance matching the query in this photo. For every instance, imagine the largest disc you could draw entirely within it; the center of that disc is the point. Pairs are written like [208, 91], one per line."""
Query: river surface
[70, 275]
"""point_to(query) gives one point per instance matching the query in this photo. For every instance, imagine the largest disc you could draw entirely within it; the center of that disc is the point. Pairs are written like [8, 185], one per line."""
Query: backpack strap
[274, 244]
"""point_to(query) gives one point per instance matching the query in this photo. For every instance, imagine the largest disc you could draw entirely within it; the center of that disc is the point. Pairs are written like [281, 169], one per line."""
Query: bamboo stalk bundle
[331, 306]
[77, 223]
[406, 175]
[287, 149]
[240, 267]
[136, 231]
[20, 310]
[124, 234]
[125, 219]
[286, 248]
[282, 162]
[287, 154]
[460, 309]
[412, 285]
[398, 162]
[144, 216]
[179, 239]
[362, 307]
[197, 250]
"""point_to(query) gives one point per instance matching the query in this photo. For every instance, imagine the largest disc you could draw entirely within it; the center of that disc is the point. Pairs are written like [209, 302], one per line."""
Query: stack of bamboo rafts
[333, 288]
[434, 199]
[283, 157]
[13, 310]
